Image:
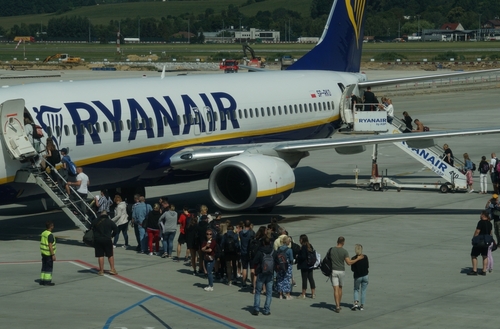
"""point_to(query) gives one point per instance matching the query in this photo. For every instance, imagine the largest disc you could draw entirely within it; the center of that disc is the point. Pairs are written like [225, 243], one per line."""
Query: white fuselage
[126, 129]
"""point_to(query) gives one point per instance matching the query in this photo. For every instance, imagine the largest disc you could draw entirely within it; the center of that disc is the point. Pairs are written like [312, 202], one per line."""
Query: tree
[455, 15]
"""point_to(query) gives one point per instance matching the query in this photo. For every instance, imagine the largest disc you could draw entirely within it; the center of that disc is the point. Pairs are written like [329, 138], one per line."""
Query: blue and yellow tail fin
[339, 48]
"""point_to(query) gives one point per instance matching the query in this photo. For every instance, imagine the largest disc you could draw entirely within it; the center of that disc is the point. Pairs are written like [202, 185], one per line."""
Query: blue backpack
[70, 165]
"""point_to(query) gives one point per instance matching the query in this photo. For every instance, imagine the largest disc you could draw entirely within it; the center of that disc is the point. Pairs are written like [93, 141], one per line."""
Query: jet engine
[250, 181]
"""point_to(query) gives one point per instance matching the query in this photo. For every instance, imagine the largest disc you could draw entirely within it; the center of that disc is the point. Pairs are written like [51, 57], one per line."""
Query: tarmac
[417, 242]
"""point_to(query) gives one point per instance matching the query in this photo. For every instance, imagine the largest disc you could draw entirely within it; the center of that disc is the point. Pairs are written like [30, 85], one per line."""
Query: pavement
[417, 242]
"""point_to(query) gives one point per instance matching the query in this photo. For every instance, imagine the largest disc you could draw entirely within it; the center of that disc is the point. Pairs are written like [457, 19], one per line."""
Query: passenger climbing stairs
[431, 156]
[76, 208]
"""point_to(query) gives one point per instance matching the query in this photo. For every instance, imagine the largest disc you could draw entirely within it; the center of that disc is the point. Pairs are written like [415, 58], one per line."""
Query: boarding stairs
[431, 156]
[76, 208]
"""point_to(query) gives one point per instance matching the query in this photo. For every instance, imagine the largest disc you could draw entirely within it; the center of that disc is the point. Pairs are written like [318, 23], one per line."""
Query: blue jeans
[122, 228]
[168, 242]
[209, 265]
[363, 282]
[141, 236]
[263, 279]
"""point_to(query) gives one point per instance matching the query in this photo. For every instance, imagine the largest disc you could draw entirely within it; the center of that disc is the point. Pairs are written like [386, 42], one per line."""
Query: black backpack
[485, 167]
[311, 258]
[253, 247]
[230, 244]
[473, 166]
[281, 261]
[326, 264]
[267, 264]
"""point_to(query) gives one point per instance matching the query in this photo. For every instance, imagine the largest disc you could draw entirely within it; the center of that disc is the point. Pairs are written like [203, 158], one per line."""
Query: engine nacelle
[250, 181]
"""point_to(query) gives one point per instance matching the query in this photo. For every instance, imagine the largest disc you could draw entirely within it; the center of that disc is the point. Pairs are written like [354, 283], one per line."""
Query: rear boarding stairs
[426, 151]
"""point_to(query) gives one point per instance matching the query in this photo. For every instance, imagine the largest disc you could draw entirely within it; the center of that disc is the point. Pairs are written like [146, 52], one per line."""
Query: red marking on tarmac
[161, 293]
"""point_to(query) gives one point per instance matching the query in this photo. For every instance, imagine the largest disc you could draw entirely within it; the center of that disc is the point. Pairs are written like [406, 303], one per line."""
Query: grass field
[214, 52]
[102, 14]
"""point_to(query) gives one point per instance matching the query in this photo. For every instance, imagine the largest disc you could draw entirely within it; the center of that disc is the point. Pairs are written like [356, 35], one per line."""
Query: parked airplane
[143, 132]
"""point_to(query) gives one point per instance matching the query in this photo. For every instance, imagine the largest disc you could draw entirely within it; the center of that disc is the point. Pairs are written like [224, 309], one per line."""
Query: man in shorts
[104, 230]
[482, 232]
[339, 255]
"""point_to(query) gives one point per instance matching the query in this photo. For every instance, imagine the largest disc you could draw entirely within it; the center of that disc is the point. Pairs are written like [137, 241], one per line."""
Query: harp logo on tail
[355, 10]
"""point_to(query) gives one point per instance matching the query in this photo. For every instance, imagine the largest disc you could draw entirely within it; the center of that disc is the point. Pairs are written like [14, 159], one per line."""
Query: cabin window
[279, 110]
[256, 113]
[295, 107]
[144, 124]
[274, 110]
[262, 112]
[165, 121]
[310, 107]
[58, 131]
[150, 123]
[105, 126]
[268, 112]
[98, 127]
[66, 130]
[300, 108]
[246, 113]
[250, 112]
[285, 109]
[333, 105]
[184, 119]
[328, 106]
[315, 108]
[113, 126]
[129, 125]
[239, 114]
[82, 128]
[121, 125]
[215, 116]
[74, 130]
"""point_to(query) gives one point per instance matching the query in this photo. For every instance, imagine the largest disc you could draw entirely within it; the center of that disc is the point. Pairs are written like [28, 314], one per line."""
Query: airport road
[418, 244]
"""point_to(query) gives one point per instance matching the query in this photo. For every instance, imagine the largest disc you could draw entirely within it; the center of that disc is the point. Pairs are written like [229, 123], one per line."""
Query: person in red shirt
[183, 221]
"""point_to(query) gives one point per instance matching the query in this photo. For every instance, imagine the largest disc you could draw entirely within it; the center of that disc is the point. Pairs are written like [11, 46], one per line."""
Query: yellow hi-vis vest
[44, 243]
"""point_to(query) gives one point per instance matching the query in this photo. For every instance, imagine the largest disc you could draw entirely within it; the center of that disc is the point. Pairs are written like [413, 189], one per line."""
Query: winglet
[163, 72]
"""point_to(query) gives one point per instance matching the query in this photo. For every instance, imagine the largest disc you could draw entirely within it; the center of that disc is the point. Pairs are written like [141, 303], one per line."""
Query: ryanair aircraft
[143, 132]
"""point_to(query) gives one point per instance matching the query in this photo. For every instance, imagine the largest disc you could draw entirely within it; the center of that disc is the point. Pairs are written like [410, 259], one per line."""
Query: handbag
[496, 212]
[482, 240]
[88, 238]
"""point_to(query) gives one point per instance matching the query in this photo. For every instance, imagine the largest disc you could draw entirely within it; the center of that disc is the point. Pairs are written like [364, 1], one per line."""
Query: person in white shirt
[82, 183]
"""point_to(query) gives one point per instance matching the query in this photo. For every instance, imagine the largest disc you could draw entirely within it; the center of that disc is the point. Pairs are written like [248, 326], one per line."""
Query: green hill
[102, 14]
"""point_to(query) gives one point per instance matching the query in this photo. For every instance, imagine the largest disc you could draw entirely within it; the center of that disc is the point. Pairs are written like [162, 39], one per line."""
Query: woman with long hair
[305, 271]
[51, 156]
[192, 240]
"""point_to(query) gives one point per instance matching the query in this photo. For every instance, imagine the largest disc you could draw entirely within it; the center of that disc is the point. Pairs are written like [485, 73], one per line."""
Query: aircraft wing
[379, 83]
[206, 157]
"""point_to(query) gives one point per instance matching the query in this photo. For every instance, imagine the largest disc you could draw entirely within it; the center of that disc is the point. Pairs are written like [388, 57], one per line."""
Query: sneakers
[482, 273]
[50, 284]
[100, 273]
[361, 307]
[114, 246]
[164, 255]
[302, 297]
[289, 298]
[194, 272]
[313, 296]
[471, 191]
[472, 273]
[113, 272]
[208, 288]
[150, 254]
[125, 246]
[268, 313]
[255, 312]
[354, 307]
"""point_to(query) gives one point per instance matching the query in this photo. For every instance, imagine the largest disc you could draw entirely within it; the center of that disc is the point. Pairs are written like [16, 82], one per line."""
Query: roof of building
[450, 26]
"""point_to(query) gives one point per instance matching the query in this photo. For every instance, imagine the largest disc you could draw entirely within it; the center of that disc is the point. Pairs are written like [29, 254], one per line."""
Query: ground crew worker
[48, 250]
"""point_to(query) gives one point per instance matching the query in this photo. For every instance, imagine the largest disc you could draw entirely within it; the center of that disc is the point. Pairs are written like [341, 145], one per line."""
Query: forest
[384, 19]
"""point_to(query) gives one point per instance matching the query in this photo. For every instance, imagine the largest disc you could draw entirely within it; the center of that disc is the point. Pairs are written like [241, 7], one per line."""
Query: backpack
[281, 262]
[497, 166]
[426, 128]
[229, 244]
[37, 131]
[295, 249]
[311, 258]
[485, 167]
[253, 247]
[267, 264]
[473, 166]
[71, 166]
[326, 264]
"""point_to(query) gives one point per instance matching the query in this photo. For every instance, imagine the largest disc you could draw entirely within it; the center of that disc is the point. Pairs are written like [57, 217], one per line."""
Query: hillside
[103, 13]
